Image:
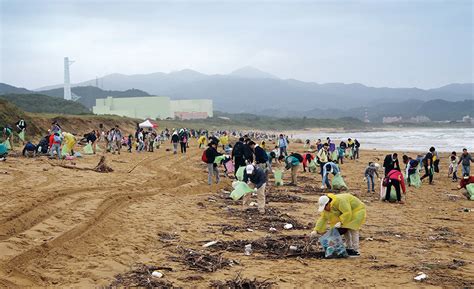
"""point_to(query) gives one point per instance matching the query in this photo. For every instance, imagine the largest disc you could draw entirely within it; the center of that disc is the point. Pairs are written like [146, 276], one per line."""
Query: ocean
[403, 140]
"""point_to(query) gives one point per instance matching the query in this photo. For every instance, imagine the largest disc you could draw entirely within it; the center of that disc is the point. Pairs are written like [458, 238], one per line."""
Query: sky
[423, 44]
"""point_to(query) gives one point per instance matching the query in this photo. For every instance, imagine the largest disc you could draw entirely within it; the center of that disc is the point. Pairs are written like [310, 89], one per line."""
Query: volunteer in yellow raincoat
[202, 141]
[342, 211]
[224, 140]
[69, 143]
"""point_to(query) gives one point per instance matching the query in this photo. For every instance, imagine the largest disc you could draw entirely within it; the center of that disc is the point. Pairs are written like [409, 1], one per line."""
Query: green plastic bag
[21, 135]
[313, 167]
[240, 173]
[415, 180]
[7, 145]
[470, 191]
[88, 149]
[64, 151]
[278, 174]
[240, 190]
[338, 182]
[218, 159]
[334, 156]
[350, 153]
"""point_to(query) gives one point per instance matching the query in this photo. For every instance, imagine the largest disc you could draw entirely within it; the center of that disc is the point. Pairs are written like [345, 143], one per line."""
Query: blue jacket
[282, 143]
[261, 156]
[334, 170]
[258, 177]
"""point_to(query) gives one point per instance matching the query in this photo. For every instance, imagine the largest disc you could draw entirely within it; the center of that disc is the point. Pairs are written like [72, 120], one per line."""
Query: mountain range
[254, 91]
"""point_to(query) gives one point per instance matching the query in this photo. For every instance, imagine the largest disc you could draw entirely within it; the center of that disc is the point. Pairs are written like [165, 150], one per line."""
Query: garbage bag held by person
[415, 180]
[278, 174]
[333, 245]
[338, 182]
[470, 191]
[240, 173]
[241, 188]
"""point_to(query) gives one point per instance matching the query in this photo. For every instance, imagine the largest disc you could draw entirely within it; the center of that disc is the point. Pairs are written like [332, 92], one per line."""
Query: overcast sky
[422, 44]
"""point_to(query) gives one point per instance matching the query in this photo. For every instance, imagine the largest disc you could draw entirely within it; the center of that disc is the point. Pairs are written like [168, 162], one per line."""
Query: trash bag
[219, 159]
[333, 245]
[393, 193]
[278, 174]
[470, 191]
[3, 149]
[7, 145]
[21, 135]
[312, 167]
[88, 149]
[334, 156]
[240, 173]
[65, 151]
[350, 153]
[338, 182]
[415, 180]
[229, 166]
[240, 190]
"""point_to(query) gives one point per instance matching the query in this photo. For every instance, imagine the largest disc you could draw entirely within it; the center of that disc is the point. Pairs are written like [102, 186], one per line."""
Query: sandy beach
[76, 228]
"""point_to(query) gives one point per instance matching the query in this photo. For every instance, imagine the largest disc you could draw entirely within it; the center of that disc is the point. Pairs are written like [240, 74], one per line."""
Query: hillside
[6, 88]
[88, 94]
[45, 104]
[10, 114]
[253, 91]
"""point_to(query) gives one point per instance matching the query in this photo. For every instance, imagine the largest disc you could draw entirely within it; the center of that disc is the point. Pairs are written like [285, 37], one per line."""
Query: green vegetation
[45, 104]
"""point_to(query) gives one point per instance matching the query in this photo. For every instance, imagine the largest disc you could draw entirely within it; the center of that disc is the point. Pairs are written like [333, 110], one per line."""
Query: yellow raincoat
[202, 140]
[69, 141]
[224, 140]
[345, 208]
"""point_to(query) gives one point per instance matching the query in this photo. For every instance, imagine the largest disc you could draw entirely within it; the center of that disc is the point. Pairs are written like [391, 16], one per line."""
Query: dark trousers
[396, 184]
[428, 173]
[183, 147]
[238, 162]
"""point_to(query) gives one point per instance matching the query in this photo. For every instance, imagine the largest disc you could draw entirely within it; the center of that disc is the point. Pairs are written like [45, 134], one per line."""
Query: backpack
[386, 180]
[204, 156]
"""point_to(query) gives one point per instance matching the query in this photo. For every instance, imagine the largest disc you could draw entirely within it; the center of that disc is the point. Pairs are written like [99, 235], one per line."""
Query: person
[117, 140]
[411, 167]
[141, 142]
[356, 149]
[237, 154]
[263, 145]
[129, 143]
[465, 181]
[261, 156]
[21, 129]
[175, 141]
[92, 139]
[183, 141]
[69, 142]
[428, 164]
[341, 151]
[224, 139]
[395, 179]
[346, 213]
[453, 167]
[465, 160]
[351, 146]
[307, 144]
[248, 152]
[211, 154]
[319, 144]
[369, 176]
[43, 144]
[282, 145]
[292, 163]
[202, 141]
[323, 157]
[8, 135]
[257, 178]
[29, 150]
[55, 145]
[328, 168]
[391, 163]
[307, 159]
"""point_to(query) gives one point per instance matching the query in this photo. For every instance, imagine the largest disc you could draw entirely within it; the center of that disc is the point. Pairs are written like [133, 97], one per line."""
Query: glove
[255, 190]
[338, 225]
[365, 179]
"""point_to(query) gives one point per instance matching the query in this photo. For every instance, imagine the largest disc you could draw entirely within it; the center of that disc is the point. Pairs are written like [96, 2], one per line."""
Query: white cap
[249, 169]
[323, 201]
[377, 165]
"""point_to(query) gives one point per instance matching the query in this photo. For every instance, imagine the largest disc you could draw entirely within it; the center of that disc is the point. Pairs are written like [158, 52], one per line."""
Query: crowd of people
[253, 157]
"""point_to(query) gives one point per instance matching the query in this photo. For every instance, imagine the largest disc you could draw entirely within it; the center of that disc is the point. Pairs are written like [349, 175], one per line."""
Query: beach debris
[102, 166]
[141, 275]
[157, 274]
[209, 244]
[168, 237]
[248, 250]
[276, 247]
[239, 282]
[202, 261]
[421, 276]
[288, 226]
[249, 230]
[272, 229]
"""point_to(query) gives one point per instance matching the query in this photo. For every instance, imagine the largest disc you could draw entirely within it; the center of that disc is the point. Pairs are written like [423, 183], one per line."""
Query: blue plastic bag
[333, 245]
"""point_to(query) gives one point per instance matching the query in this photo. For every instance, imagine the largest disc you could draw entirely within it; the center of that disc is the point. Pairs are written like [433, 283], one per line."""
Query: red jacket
[306, 161]
[465, 182]
[398, 176]
[51, 140]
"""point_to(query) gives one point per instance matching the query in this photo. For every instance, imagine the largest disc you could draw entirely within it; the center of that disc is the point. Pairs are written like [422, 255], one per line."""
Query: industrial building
[154, 107]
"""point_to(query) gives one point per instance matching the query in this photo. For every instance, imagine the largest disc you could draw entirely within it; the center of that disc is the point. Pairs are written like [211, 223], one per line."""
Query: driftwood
[136, 165]
[101, 167]
[238, 282]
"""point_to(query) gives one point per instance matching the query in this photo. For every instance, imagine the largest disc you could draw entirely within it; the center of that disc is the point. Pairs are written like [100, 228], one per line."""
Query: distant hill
[88, 94]
[253, 91]
[6, 88]
[34, 102]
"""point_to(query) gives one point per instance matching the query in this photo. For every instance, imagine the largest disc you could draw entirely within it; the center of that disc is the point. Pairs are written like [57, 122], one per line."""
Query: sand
[75, 228]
